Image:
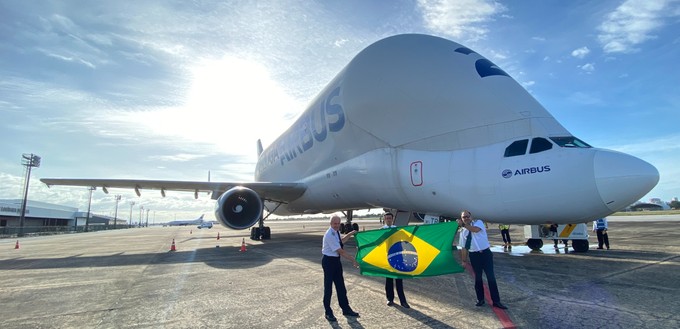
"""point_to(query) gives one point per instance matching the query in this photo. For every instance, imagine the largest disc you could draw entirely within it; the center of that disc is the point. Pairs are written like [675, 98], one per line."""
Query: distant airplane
[197, 221]
[422, 124]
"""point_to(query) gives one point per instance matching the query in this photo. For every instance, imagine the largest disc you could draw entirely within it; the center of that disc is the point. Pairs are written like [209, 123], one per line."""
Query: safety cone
[172, 246]
[16, 246]
[218, 235]
[243, 245]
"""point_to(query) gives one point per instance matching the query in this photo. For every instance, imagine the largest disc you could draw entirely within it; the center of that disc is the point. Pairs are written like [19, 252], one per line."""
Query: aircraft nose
[622, 179]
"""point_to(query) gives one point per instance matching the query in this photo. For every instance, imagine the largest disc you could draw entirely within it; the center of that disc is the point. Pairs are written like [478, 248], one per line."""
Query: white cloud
[588, 67]
[580, 52]
[460, 18]
[632, 23]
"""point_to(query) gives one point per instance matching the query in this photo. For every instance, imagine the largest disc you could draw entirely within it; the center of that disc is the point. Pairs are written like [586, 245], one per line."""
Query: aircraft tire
[255, 233]
[342, 228]
[580, 245]
[267, 233]
[535, 244]
[355, 227]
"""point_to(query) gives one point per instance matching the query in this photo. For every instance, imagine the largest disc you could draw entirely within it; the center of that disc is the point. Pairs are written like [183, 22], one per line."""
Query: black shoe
[390, 303]
[331, 318]
[499, 305]
[599, 247]
[607, 248]
[479, 303]
[405, 305]
[350, 313]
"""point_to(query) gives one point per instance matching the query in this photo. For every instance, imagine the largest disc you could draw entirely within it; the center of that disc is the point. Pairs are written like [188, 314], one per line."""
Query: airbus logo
[507, 173]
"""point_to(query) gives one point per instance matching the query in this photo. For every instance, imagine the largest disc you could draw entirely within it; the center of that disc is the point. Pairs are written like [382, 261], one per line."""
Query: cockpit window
[570, 141]
[517, 148]
[540, 144]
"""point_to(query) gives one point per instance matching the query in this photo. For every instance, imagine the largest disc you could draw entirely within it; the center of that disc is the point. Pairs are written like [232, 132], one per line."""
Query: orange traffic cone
[172, 246]
[218, 235]
[243, 245]
[16, 246]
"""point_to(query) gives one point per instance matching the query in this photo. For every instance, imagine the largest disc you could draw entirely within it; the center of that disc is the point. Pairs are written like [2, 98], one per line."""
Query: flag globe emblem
[402, 256]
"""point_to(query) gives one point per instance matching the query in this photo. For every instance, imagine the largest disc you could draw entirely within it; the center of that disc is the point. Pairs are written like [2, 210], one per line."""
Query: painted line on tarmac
[502, 316]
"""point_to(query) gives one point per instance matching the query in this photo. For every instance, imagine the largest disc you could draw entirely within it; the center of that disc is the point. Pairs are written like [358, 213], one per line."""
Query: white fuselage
[423, 124]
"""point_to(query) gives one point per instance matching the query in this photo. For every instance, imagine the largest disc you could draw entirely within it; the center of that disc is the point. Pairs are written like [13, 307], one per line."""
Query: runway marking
[502, 316]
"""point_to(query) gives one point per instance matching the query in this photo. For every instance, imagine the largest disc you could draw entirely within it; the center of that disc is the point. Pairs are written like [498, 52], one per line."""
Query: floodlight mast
[29, 161]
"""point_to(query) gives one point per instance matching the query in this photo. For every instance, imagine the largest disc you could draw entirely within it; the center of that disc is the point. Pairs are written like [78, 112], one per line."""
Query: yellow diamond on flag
[402, 252]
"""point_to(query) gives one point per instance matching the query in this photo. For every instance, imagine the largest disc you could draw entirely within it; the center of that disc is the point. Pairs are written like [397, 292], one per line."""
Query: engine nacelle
[239, 208]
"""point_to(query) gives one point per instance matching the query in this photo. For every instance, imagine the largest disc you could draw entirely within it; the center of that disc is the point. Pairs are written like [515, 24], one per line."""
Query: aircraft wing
[278, 192]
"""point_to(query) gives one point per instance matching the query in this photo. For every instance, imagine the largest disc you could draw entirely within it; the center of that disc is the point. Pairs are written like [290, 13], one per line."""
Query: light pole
[132, 203]
[30, 161]
[89, 204]
[147, 218]
[115, 214]
[141, 210]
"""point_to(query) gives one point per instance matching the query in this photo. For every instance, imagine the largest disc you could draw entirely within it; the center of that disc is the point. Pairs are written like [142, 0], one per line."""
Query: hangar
[42, 217]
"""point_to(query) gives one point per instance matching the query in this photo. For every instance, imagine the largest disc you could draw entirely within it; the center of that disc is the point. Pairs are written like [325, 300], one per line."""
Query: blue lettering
[531, 170]
[319, 136]
[335, 109]
[301, 136]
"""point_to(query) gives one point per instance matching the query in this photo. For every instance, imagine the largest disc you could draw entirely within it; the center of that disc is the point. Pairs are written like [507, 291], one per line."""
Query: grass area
[646, 213]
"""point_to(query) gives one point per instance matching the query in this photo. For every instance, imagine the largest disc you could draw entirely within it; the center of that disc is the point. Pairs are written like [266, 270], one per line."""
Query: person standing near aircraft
[505, 234]
[389, 282]
[332, 250]
[600, 226]
[553, 232]
[475, 240]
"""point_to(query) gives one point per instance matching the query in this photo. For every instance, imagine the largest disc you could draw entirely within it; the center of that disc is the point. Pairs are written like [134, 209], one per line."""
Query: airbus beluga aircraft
[423, 124]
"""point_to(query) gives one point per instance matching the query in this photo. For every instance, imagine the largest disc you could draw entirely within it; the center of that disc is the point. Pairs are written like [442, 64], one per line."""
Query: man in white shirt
[389, 282]
[332, 269]
[476, 243]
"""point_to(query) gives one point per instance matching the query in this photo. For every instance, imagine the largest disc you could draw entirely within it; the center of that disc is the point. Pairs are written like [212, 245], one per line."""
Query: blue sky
[173, 89]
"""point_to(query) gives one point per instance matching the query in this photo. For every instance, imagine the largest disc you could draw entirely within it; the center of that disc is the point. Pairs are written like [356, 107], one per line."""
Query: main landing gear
[262, 232]
[348, 226]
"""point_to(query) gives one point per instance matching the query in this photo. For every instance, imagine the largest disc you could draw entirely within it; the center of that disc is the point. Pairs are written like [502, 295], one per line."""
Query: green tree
[675, 204]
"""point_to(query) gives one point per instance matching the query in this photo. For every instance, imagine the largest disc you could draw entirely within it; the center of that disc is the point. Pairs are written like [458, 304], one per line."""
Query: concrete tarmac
[130, 279]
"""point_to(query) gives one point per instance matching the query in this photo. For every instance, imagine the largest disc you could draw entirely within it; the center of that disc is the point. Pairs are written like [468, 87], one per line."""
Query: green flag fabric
[408, 251]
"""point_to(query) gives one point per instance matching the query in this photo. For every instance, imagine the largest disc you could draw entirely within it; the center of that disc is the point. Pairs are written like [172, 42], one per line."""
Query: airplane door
[417, 173]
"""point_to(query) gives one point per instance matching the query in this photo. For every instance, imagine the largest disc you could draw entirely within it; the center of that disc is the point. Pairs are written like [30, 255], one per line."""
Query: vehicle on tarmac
[205, 225]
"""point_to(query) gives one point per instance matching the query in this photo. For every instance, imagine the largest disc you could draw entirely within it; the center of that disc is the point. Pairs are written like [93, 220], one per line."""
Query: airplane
[422, 124]
[197, 221]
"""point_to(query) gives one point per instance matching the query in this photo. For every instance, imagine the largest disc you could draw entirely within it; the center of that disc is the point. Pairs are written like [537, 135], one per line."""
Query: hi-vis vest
[504, 227]
[600, 224]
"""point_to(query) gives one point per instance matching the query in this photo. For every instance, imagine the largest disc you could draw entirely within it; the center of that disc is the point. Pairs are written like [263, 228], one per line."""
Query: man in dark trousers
[332, 269]
[476, 242]
[600, 226]
[389, 282]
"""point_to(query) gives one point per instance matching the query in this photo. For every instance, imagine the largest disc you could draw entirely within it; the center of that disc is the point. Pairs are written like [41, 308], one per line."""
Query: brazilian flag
[408, 251]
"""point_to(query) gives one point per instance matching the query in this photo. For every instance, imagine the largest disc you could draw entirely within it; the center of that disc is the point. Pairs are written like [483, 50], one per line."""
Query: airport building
[42, 217]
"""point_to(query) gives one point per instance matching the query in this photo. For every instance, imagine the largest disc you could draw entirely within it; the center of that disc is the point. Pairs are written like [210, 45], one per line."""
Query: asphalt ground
[130, 279]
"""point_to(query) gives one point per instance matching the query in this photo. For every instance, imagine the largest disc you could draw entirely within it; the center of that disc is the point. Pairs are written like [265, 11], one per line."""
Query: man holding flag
[332, 250]
[473, 236]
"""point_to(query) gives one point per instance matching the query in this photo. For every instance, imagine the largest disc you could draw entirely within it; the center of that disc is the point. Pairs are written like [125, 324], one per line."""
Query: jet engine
[239, 208]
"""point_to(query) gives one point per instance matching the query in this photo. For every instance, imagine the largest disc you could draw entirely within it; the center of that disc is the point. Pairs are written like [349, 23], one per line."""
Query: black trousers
[483, 262]
[506, 236]
[332, 274]
[389, 289]
[602, 238]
